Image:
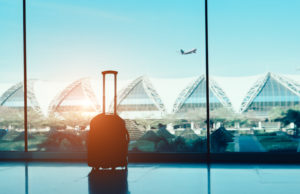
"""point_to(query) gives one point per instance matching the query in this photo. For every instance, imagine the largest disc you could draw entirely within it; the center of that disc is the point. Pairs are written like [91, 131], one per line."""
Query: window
[72, 42]
[253, 60]
[11, 77]
[158, 47]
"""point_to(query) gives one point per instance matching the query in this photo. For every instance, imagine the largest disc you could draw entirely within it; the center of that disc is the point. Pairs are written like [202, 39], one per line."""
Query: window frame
[228, 157]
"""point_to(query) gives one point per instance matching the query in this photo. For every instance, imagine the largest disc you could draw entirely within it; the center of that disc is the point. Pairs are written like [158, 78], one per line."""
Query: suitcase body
[108, 138]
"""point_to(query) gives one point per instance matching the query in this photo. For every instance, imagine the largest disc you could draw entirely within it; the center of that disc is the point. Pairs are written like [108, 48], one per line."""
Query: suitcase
[108, 137]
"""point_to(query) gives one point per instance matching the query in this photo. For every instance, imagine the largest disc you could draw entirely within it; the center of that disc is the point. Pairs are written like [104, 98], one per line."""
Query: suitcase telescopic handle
[115, 96]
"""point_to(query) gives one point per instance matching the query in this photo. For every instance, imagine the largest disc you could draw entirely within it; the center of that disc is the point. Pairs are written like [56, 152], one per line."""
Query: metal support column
[25, 78]
[207, 83]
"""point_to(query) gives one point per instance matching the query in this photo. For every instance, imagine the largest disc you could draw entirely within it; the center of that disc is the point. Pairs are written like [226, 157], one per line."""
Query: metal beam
[25, 78]
[207, 82]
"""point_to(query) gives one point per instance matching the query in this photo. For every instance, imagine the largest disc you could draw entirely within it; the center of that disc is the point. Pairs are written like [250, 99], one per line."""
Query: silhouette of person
[108, 181]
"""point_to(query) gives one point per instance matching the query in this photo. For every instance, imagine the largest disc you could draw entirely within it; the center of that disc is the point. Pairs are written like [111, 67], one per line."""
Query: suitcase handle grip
[109, 72]
[115, 96]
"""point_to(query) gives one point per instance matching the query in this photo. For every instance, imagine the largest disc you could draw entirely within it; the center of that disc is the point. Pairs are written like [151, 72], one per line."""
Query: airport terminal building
[154, 98]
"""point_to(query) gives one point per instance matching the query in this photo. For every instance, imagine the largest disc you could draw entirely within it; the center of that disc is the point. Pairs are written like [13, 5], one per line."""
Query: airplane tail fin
[194, 51]
[182, 51]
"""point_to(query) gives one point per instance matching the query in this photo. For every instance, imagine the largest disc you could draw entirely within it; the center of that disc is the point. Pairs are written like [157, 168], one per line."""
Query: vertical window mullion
[207, 83]
[25, 78]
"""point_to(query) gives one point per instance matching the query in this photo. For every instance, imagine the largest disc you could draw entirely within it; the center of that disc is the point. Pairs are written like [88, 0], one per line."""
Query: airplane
[188, 52]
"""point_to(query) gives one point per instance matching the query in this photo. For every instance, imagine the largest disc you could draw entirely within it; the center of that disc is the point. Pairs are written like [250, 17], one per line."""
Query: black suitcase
[108, 137]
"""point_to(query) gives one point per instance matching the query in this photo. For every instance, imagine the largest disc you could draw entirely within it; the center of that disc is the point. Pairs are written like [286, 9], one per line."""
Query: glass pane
[160, 90]
[255, 75]
[11, 77]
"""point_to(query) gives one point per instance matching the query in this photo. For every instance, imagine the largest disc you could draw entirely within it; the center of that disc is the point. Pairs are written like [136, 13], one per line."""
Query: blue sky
[71, 39]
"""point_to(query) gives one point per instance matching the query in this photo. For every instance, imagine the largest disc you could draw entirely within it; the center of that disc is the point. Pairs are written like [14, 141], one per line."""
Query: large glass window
[254, 60]
[158, 47]
[11, 77]
[161, 91]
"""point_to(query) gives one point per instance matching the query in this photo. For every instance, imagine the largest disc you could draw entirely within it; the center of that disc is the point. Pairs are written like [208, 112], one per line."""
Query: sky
[68, 39]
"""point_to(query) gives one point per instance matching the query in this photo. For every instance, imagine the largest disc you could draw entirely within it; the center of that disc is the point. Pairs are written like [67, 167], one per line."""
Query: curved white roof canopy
[192, 86]
[14, 96]
[167, 94]
[85, 96]
[149, 90]
[258, 86]
[236, 88]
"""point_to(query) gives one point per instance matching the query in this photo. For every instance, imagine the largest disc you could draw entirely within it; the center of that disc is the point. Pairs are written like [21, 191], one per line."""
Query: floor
[56, 178]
